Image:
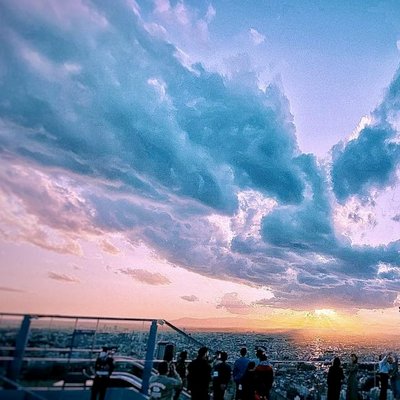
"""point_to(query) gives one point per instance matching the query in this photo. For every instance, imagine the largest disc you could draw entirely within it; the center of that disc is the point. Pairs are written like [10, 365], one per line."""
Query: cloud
[370, 160]
[104, 129]
[233, 304]
[365, 163]
[62, 277]
[191, 299]
[256, 37]
[182, 21]
[211, 13]
[10, 289]
[109, 247]
[144, 276]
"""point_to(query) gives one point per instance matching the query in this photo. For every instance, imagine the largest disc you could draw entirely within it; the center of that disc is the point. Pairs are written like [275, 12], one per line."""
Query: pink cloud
[192, 298]
[147, 277]
[232, 303]
[10, 289]
[62, 277]
[109, 247]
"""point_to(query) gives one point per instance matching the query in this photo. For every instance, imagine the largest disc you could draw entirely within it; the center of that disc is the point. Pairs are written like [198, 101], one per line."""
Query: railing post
[15, 365]
[148, 365]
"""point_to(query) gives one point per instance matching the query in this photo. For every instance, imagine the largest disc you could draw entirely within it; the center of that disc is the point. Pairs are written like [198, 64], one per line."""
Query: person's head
[336, 362]
[390, 359]
[183, 355]
[163, 368]
[203, 352]
[243, 351]
[224, 356]
[354, 358]
[251, 365]
[260, 351]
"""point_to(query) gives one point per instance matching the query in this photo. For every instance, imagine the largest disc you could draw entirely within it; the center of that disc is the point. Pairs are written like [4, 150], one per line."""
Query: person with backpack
[103, 369]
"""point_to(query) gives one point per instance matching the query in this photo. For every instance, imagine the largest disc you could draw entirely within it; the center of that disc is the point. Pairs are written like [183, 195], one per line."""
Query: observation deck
[52, 357]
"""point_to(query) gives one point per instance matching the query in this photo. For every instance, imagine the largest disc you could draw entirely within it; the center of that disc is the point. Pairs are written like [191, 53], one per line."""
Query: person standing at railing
[395, 377]
[222, 374]
[199, 375]
[352, 380]
[264, 376]
[239, 369]
[384, 367]
[181, 369]
[335, 379]
[103, 369]
[162, 387]
[248, 382]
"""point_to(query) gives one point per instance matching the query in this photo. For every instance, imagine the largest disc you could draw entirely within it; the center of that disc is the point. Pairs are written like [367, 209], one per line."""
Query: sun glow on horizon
[325, 312]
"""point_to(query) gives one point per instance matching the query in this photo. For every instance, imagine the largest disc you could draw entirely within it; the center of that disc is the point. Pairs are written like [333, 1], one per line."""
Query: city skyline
[211, 163]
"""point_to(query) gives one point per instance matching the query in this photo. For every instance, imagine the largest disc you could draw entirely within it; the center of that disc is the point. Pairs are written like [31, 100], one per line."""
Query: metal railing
[11, 384]
[71, 342]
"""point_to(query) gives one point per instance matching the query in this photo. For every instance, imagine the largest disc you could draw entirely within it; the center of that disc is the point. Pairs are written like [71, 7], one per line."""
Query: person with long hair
[335, 379]
[352, 381]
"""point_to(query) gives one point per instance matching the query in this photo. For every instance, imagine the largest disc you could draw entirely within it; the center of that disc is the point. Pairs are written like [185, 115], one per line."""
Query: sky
[212, 163]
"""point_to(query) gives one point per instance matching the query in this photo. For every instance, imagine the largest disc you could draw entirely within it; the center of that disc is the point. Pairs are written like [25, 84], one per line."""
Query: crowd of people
[388, 374]
[253, 378]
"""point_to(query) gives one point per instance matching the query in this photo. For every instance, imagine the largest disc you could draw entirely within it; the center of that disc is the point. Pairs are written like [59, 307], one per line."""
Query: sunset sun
[325, 312]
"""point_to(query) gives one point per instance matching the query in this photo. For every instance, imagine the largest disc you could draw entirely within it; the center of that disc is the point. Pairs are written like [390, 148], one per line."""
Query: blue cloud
[122, 137]
[370, 161]
[117, 103]
[306, 227]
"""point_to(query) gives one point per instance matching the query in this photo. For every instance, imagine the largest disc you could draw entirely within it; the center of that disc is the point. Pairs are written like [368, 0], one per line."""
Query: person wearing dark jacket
[221, 377]
[181, 369]
[248, 382]
[264, 377]
[103, 368]
[199, 375]
[335, 379]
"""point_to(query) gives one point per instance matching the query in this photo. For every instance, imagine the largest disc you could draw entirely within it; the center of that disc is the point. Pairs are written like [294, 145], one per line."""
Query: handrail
[35, 316]
[20, 387]
[183, 333]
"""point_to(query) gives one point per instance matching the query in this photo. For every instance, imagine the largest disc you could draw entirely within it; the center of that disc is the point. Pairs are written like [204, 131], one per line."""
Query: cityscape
[300, 361]
[185, 173]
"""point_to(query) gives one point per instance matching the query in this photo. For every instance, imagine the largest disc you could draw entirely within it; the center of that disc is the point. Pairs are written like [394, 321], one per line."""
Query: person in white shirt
[384, 367]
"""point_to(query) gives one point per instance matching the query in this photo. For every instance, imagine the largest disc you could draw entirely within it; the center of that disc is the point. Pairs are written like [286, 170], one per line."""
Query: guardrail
[86, 336]
[12, 384]
[73, 342]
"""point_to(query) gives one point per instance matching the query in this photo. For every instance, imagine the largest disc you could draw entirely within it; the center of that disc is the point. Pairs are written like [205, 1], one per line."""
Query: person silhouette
[103, 369]
[199, 375]
[335, 379]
